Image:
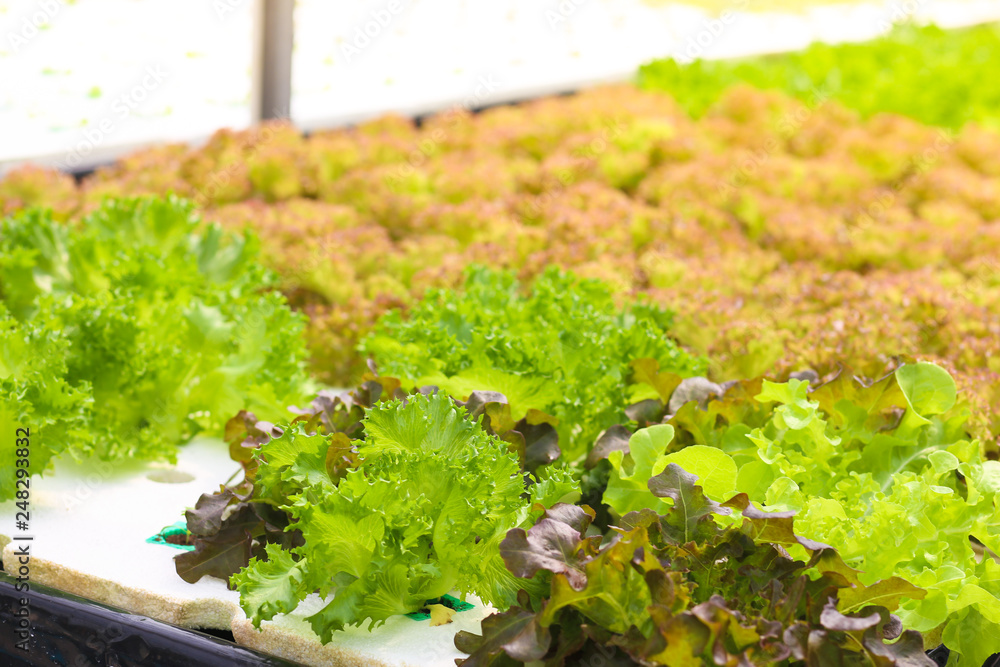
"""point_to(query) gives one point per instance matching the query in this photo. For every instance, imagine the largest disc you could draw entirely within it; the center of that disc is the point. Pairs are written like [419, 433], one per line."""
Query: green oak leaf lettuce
[883, 472]
[676, 588]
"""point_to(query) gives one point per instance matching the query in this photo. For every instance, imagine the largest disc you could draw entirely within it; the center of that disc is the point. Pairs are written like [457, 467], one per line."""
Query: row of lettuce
[914, 71]
[506, 432]
[127, 334]
[653, 516]
[548, 450]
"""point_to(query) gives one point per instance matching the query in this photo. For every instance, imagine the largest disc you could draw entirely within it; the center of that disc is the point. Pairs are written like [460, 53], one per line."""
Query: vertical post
[271, 88]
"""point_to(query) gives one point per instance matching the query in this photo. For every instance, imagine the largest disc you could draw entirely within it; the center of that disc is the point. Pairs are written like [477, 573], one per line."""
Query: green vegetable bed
[939, 77]
[673, 385]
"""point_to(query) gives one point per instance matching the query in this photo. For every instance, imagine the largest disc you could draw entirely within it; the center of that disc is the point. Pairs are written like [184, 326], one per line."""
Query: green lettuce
[676, 588]
[35, 396]
[565, 348]
[916, 71]
[419, 513]
[165, 325]
[882, 472]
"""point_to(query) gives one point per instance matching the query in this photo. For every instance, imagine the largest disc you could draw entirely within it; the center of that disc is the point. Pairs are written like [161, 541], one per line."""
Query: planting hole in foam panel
[170, 476]
[447, 601]
[176, 536]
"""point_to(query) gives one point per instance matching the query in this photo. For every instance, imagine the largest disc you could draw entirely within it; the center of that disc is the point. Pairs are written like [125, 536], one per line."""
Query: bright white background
[101, 76]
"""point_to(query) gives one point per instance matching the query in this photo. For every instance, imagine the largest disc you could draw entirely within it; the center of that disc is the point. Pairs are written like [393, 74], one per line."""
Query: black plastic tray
[70, 631]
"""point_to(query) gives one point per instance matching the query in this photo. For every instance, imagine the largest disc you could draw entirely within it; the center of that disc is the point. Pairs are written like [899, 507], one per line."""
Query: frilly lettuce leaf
[35, 396]
[421, 513]
[565, 348]
[167, 323]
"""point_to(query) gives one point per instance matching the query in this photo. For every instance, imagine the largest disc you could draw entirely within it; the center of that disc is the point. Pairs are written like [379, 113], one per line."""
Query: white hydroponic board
[89, 524]
[401, 641]
[104, 77]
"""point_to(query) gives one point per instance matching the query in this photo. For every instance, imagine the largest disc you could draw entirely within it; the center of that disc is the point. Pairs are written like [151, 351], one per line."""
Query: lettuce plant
[160, 327]
[673, 587]
[419, 512]
[914, 71]
[36, 396]
[564, 348]
[882, 472]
